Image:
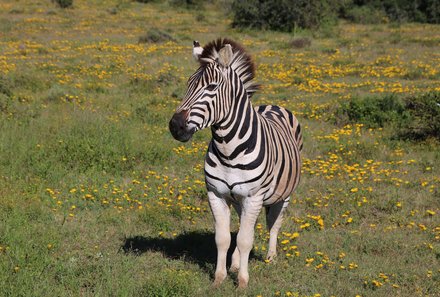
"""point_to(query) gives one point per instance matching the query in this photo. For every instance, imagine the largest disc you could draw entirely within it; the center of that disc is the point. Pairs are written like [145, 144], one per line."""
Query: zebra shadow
[195, 247]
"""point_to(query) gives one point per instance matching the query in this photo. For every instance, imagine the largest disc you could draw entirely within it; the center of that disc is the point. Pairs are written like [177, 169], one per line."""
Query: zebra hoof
[242, 283]
[219, 278]
[270, 257]
[216, 283]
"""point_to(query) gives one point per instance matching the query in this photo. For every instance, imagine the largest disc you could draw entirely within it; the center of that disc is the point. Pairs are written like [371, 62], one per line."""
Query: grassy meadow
[98, 199]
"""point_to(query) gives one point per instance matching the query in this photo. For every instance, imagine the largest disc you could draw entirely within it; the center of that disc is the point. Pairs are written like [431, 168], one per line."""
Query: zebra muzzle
[179, 128]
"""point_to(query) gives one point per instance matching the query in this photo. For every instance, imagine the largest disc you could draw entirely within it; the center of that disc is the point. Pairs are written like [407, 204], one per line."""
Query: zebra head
[224, 68]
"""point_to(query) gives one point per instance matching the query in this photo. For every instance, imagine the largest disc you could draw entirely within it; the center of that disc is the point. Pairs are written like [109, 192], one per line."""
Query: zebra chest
[229, 182]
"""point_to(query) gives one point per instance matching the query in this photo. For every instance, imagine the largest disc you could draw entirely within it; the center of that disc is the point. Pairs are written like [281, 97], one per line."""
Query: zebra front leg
[274, 219]
[245, 237]
[221, 212]
[235, 265]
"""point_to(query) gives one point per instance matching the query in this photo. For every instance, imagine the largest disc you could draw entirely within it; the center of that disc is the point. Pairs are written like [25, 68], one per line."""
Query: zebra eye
[211, 87]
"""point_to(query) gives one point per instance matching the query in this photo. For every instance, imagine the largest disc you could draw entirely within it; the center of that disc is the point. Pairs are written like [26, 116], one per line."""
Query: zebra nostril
[178, 126]
[179, 120]
[175, 124]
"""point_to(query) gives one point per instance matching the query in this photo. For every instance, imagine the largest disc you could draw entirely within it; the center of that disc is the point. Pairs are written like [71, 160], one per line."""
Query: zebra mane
[241, 62]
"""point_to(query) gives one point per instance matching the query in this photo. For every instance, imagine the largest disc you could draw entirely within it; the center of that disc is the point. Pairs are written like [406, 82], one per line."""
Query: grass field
[97, 199]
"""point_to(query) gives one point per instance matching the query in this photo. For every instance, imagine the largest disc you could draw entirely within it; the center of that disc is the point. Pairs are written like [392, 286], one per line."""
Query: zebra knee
[222, 240]
[244, 242]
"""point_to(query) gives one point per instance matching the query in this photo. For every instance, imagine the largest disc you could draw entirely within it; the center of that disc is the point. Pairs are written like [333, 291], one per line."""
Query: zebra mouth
[179, 128]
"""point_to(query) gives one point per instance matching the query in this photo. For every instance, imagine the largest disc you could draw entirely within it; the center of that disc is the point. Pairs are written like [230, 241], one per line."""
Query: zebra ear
[225, 55]
[197, 50]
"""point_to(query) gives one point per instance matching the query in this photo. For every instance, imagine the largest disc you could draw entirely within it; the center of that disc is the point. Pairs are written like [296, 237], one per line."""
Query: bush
[64, 3]
[425, 117]
[155, 36]
[190, 4]
[283, 15]
[373, 112]
[301, 42]
[416, 117]
[371, 11]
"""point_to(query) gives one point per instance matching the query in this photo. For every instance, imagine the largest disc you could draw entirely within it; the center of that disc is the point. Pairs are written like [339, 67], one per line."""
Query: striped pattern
[253, 160]
[265, 145]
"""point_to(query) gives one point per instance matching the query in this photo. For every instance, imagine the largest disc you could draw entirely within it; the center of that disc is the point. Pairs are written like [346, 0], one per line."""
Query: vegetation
[97, 199]
[424, 117]
[416, 117]
[373, 112]
[288, 16]
[424, 11]
[282, 15]
[64, 3]
[154, 35]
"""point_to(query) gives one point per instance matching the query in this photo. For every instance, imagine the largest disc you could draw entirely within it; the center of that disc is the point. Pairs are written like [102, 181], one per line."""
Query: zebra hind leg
[274, 219]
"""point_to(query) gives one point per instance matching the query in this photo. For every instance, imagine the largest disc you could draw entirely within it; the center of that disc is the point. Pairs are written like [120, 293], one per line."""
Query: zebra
[253, 159]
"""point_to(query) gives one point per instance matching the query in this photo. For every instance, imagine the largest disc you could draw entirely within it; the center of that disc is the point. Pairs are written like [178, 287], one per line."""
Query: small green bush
[415, 118]
[425, 117]
[301, 42]
[373, 112]
[190, 4]
[155, 36]
[64, 3]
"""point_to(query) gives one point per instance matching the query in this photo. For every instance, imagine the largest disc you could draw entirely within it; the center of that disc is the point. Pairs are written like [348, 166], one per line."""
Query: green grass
[97, 198]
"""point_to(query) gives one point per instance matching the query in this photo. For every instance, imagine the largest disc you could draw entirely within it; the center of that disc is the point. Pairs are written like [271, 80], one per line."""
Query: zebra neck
[238, 133]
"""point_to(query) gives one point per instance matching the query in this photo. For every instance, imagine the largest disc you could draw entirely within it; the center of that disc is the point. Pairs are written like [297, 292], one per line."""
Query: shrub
[187, 3]
[282, 15]
[155, 36]
[372, 11]
[64, 3]
[300, 42]
[373, 112]
[424, 117]
[416, 117]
